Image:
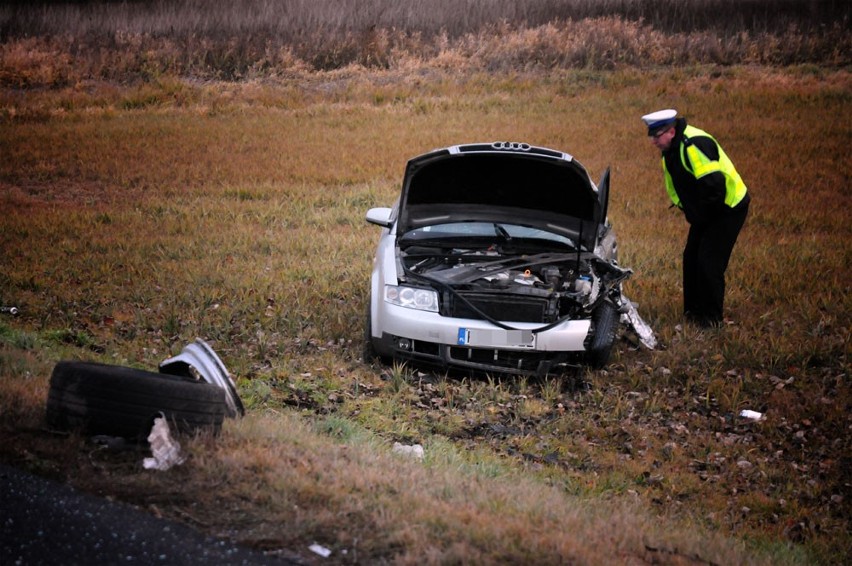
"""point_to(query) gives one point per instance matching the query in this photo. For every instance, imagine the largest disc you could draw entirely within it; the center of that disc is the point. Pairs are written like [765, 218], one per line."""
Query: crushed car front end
[496, 258]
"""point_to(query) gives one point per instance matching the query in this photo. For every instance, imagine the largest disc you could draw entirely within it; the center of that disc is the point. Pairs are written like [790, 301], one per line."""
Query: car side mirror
[380, 217]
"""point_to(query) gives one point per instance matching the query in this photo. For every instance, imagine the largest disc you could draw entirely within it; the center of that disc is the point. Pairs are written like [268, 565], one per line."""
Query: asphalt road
[45, 522]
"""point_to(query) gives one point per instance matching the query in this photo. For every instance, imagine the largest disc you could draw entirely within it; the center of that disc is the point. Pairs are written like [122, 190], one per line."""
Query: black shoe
[702, 321]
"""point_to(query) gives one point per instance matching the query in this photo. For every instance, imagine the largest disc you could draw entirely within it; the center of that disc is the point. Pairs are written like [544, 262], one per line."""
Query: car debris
[414, 451]
[165, 449]
[498, 257]
[630, 317]
[751, 415]
[199, 361]
[320, 550]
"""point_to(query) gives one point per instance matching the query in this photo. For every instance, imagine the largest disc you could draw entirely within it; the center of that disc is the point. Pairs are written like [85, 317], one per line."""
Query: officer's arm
[711, 186]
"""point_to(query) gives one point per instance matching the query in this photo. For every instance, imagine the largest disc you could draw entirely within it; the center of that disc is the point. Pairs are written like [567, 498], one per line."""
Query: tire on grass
[121, 401]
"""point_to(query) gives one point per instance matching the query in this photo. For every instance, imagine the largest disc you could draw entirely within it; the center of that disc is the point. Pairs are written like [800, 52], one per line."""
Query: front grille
[514, 308]
[511, 360]
[485, 360]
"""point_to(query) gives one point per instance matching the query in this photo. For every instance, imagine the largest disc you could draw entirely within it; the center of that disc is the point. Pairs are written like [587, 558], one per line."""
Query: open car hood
[503, 182]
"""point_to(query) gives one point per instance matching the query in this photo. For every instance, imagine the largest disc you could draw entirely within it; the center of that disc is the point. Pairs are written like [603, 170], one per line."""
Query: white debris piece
[319, 549]
[165, 449]
[642, 329]
[749, 414]
[414, 451]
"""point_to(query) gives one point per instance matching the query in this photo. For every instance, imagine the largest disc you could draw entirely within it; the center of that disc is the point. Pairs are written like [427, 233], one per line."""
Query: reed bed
[62, 44]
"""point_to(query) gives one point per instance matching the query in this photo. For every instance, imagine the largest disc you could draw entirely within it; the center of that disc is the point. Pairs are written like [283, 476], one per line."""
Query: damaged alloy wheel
[123, 401]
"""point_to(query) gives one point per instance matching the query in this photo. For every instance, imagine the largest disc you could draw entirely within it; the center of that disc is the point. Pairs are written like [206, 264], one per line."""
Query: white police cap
[659, 119]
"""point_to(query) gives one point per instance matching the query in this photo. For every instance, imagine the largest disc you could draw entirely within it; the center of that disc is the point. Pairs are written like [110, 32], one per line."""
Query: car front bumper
[477, 344]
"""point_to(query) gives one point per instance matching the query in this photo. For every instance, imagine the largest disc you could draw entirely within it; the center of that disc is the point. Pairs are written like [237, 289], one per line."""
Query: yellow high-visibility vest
[694, 160]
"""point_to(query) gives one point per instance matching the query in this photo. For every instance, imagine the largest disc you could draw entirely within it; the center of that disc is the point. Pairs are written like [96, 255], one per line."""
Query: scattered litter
[165, 449]
[414, 451]
[9, 310]
[749, 414]
[319, 549]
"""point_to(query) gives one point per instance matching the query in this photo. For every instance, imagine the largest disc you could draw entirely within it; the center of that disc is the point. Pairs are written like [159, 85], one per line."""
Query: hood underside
[501, 183]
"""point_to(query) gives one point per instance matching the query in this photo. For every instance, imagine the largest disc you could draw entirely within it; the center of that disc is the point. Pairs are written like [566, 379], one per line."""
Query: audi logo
[513, 146]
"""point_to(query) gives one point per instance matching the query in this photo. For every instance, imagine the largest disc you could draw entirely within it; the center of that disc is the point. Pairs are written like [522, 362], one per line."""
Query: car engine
[522, 288]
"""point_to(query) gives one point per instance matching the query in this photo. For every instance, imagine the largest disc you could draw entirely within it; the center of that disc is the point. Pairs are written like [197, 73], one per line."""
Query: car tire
[604, 324]
[121, 401]
[370, 354]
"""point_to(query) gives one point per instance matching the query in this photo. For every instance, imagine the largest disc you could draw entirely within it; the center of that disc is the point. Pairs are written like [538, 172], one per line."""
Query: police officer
[701, 181]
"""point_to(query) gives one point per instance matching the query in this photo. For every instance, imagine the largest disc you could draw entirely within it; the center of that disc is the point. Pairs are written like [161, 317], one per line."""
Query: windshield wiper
[502, 232]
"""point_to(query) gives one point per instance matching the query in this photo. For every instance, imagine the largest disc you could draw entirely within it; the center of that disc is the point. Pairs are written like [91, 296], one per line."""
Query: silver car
[499, 258]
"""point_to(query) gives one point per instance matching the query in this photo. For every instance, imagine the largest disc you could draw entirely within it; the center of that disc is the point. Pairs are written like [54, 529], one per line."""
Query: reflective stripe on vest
[694, 160]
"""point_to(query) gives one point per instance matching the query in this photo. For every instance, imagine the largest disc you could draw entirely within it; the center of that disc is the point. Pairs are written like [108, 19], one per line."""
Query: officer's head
[661, 127]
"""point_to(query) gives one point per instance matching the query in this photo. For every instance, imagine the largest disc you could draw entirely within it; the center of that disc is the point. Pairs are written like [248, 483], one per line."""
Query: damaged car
[498, 258]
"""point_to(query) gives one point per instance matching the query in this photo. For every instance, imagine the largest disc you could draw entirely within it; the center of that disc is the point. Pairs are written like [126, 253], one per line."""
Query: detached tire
[604, 323]
[122, 401]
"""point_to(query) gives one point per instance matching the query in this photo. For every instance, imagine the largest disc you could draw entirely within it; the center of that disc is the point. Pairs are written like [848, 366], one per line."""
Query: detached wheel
[122, 401]
[604, 325]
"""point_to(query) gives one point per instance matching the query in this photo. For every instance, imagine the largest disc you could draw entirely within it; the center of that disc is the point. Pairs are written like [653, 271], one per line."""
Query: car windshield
[501, 231]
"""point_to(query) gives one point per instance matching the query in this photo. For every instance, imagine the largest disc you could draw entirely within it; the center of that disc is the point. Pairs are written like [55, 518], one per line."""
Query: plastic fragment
[643, 330]
[749, 414]
[414, 451]
[319, 549]
[165, 449]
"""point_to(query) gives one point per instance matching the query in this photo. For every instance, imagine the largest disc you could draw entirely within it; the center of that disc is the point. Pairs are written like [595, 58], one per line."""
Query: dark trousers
[705, 259]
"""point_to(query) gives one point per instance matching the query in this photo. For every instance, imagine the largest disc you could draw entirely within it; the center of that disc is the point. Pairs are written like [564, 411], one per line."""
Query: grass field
[141, 213]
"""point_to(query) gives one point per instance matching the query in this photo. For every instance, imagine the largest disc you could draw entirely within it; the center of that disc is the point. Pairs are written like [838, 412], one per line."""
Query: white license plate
[496, 338]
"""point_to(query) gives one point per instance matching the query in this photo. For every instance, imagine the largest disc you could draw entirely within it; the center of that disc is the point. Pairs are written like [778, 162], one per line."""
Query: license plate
[496, 338]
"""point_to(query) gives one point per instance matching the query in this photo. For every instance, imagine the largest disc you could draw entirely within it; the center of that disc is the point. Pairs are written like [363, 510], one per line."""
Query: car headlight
[412, 298]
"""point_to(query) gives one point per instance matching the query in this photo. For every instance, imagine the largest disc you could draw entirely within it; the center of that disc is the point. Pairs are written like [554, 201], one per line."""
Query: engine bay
[569, 284]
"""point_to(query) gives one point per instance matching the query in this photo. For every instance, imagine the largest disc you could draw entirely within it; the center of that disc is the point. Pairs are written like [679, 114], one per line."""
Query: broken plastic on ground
[414, 451]
[630, 317]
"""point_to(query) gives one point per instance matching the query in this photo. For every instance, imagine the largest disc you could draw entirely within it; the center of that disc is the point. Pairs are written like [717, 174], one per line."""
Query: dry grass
[139, 216]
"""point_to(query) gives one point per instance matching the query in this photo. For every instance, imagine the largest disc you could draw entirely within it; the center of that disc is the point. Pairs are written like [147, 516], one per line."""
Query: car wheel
[604, 324]
[122, 401]
[371, 353]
